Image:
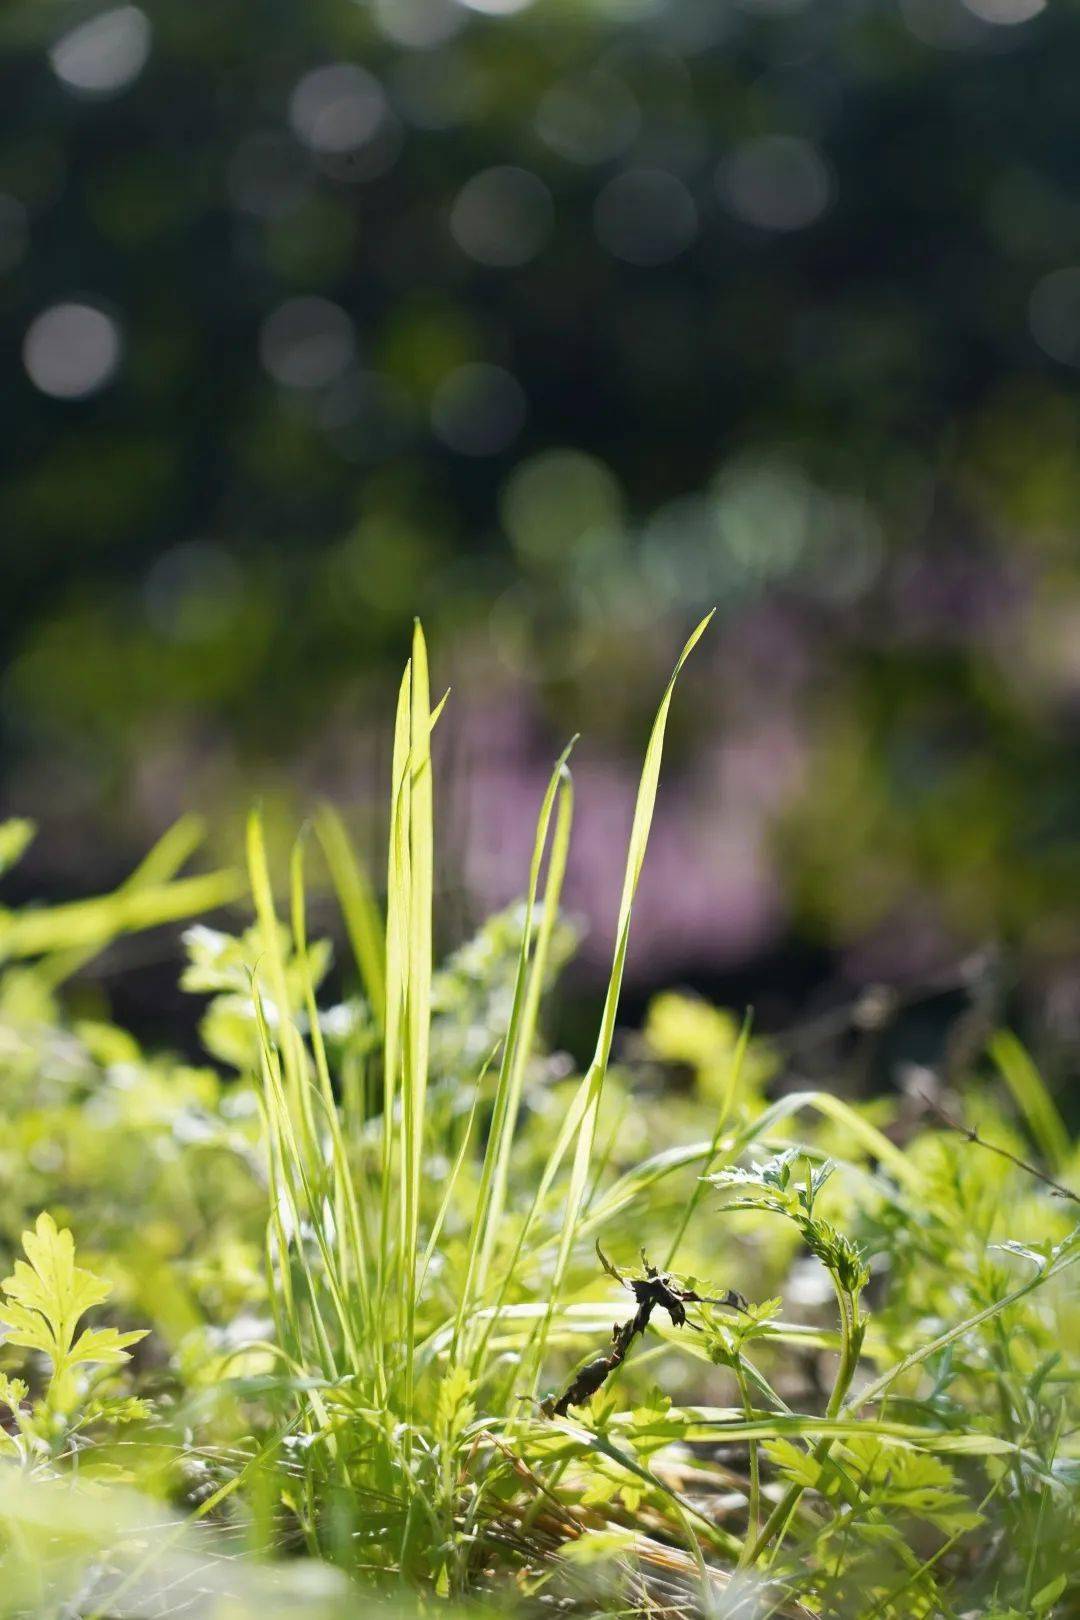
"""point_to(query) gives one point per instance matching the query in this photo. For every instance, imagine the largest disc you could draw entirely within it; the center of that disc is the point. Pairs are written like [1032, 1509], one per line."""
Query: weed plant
[353, 1331]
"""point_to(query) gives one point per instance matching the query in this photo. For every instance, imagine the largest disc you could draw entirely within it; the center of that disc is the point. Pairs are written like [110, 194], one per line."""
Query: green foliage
[367, 1250]
[45, 1300]
[15, 835]
[770, 1186]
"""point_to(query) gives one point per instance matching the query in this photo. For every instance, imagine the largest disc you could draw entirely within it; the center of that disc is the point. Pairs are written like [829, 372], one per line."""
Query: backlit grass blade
[720, 1424]
[1069, 1256]
[293, 1194]
[418, 978]
[738, 1057]
[581, 1121]
[359, 907]
[491, 1196]
[172, 850]
[592, 1440]
[452, 1178]
[272, 969]
[175, 846]
[91, 924]
[351, 1244]
[534, 986]
[636, 1183]
[588, 1320]
[397, 922]
[1032, 1098]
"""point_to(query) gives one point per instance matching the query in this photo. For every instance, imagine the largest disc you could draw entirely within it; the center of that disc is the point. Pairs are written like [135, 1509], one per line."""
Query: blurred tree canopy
[557, 323]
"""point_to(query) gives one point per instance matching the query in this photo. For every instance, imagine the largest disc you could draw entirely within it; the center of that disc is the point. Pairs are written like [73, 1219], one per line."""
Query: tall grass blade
[517, 1043]
[1032, 1098]
[272, 964]
[397, 924]
[359, 908]
[418, 980]
[351, 1243]
[580, 1124]
[735, 1066]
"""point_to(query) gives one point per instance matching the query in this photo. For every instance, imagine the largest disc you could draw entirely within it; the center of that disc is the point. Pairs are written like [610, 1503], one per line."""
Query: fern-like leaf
[46, 1298]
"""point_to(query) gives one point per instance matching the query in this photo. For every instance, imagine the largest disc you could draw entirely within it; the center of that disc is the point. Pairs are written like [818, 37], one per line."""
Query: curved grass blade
[580, 1125]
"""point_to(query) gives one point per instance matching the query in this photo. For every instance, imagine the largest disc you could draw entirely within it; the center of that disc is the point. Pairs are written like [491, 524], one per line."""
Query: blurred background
[557, 324]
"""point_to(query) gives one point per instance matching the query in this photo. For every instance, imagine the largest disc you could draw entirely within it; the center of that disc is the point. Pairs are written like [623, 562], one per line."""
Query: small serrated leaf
[12, 1392]
[47, 1297]
[104, 1345]
[798, 1466]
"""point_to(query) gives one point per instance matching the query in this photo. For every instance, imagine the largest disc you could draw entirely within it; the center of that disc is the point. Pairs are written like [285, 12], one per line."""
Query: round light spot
[946, 27]
[645, 216]
[307, 342]
[418, 24]
[556, 500]
[71, 350]
[1006, 13]
[497, 8]
[502, 216]
[777, 182]
[1054, 315]
[690, 28]
[763, 517]
[366, 416]
[588, 120]
[337, 109]
[193, 592]
[846, 549]
[14, 232]
[435, 89]
[103, 56]
[478, 410]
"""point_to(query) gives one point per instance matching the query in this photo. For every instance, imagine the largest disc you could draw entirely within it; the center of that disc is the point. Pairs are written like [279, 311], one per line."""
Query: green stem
[777, 1522]
[753, 1522]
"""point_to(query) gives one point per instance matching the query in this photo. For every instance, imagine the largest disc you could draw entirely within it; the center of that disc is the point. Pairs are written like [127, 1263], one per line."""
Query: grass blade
[364, 925]
[1032, 1098]
[581, 1119]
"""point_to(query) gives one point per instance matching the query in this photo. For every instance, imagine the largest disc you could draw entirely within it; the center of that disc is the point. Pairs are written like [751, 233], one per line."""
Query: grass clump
[385, 1346]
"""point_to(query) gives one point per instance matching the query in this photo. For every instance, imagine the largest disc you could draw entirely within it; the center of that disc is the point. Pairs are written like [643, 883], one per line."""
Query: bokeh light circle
[557, 500]
[1006, 13]
[104, 55]
[496, 8]
[502, 216]
[193, 592]
[776, 182]
[72, 350]
[337, 109]
[478, 409]
[645, 216]
[1054, 315]
[435, 89]
[418, 24]
[590, 119]
[307, 342]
